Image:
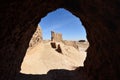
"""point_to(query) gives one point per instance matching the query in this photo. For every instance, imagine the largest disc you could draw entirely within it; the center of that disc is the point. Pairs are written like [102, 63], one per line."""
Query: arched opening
[61, 28]
[100, 18]
[63, 21]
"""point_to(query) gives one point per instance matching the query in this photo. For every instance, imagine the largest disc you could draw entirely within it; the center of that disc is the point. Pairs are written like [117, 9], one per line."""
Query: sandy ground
[42, 58]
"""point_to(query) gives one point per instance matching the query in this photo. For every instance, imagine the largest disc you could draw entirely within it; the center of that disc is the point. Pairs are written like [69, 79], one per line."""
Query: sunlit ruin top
[56, 36]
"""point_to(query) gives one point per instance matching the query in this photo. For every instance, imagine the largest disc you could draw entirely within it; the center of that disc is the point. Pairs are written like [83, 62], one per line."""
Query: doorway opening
[58, 43]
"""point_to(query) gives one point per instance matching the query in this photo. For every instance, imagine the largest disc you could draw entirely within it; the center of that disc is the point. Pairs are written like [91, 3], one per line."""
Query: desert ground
[42, 58]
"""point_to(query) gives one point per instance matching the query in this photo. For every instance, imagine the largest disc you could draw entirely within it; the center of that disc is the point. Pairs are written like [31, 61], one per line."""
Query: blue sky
[62, 21]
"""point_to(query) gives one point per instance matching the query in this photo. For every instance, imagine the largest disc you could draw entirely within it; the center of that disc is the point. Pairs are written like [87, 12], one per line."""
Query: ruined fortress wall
[71, 43]
[56, 36]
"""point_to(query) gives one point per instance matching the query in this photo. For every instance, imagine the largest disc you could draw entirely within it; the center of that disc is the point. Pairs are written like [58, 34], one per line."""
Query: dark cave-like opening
[73, 43]
[19, 20]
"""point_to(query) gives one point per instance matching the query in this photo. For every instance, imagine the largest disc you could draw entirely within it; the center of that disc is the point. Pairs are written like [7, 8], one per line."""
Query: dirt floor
[43, 58]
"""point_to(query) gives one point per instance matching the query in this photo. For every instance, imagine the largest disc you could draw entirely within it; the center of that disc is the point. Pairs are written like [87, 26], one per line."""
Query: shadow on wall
[56, 74]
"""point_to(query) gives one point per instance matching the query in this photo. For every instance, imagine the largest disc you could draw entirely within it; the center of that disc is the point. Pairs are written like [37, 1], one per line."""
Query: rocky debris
[56, 46]
[59, 49]
[71, 43]
[56, 36]
[53, 44]
[36, 38]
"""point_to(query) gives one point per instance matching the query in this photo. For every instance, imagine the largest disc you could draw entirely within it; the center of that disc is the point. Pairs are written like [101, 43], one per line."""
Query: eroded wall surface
[56, 36]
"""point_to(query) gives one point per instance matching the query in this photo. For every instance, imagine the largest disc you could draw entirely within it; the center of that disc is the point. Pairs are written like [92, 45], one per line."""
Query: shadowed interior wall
[19, 19]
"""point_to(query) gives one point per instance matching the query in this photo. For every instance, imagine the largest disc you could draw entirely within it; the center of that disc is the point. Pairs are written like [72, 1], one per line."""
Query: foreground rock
[53, 44]
[59, 49]
[36, 38]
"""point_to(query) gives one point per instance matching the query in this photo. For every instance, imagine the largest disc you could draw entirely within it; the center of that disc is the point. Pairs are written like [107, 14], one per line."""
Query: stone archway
[19, 20]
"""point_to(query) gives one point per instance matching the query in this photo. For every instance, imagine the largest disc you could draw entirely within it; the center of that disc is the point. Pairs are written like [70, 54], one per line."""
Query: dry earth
[43, 58]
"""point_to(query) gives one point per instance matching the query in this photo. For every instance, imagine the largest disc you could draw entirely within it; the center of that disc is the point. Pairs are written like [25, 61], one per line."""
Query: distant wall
[81, 40]
[71, 43]
[56, 36]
